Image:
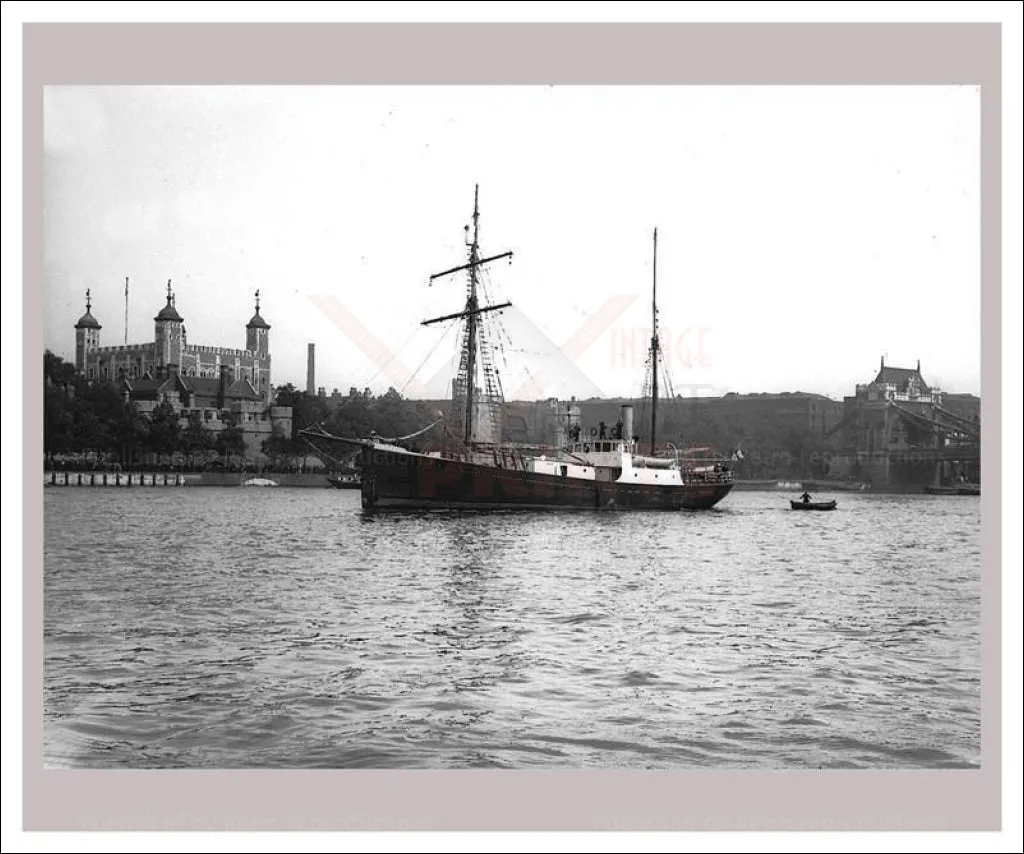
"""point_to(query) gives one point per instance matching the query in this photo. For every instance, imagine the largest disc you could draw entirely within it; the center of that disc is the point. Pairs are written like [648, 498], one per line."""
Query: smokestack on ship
[626, 414]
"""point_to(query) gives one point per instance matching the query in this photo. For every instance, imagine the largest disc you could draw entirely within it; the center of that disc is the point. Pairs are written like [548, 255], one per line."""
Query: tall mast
[654, 346]
[471, 316]
[471, 312]
[125, 311]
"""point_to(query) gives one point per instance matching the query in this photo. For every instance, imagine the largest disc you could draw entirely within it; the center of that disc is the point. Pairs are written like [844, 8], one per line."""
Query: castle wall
[256, 420]
[110, 363]
[205, 361]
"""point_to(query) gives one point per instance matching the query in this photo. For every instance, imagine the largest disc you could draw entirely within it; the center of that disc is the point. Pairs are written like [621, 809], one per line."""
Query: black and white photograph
[511, 427]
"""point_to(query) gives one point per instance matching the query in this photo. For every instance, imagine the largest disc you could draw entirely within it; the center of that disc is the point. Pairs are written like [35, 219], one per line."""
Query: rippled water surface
[225, 628]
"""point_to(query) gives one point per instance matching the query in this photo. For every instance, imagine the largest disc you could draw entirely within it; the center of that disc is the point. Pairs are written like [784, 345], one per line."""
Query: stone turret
[169, 334]
[87, 334]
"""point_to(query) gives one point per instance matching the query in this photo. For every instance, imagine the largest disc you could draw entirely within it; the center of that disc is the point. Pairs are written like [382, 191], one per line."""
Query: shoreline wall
[149, 480]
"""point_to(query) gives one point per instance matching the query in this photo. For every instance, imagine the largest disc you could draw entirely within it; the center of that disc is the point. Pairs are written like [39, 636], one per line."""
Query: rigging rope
[391, 358]
[412, 435]
[318, 450]
[426, 358]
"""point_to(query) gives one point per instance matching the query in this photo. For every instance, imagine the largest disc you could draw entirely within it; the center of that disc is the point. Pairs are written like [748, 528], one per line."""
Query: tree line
[90, 421]
[87, 422]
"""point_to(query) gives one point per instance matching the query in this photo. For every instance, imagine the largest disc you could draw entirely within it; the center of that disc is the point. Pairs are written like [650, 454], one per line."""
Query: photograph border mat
[670, 54]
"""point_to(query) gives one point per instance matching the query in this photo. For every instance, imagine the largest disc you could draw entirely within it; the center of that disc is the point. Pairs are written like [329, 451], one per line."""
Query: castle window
[92, 373]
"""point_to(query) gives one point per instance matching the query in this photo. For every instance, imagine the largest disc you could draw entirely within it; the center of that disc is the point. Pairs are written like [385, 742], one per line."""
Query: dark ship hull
[399, 480]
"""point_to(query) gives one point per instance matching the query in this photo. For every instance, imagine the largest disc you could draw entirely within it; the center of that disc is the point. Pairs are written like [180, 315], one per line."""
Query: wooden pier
[123, 479]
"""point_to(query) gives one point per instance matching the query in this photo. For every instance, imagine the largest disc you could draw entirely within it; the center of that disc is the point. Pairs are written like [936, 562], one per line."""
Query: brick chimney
[222, 386]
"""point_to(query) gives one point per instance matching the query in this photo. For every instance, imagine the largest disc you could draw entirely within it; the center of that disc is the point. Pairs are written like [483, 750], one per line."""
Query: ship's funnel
[626, 414]
[560, 429]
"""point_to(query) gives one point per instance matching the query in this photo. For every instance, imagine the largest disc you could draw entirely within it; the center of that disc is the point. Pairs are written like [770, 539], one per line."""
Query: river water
[231, 628]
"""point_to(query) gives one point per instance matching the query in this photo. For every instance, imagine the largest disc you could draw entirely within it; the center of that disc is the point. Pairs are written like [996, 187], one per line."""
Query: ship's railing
[707, 476]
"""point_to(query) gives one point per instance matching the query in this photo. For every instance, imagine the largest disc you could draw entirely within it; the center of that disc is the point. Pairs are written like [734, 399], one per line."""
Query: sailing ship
[585, 467]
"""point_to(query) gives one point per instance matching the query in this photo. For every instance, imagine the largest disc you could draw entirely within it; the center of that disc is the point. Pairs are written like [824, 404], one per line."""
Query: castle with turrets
[219, 385]
[171, 353]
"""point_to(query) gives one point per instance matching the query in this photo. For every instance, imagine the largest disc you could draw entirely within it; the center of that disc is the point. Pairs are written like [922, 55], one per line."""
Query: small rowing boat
[812, 505]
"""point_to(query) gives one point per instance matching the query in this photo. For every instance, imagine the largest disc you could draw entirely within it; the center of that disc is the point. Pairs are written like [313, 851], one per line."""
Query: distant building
[872, 416]
[902, 384]
[906, 433]
[797, 410]
[216, 384]
[335, 398]
[966, 406]
[801, 411]
[809, 414]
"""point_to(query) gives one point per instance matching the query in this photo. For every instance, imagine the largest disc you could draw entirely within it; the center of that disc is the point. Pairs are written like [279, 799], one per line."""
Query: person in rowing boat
[806, 498]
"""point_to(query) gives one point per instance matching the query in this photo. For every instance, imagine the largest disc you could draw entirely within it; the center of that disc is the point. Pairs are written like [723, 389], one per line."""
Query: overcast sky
[803, 231]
